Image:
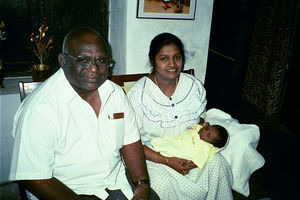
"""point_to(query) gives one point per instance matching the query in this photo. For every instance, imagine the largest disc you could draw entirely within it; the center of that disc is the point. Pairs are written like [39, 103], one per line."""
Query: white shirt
[57, 134]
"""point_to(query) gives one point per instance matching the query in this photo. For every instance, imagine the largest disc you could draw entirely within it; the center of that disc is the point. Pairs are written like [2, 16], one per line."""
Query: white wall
[117, 34]
[130, 37]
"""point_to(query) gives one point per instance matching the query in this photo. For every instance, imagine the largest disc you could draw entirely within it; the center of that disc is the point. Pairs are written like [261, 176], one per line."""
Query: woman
[167, 101]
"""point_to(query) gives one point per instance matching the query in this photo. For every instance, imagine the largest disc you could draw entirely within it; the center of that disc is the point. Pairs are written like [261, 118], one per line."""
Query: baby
[197, 143]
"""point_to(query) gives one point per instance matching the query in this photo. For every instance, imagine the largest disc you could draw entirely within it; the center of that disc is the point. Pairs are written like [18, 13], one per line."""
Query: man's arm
[49, 189]
[134, 158]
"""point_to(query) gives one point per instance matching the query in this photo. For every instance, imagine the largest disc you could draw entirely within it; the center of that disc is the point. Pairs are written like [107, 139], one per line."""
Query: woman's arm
[182, 166]
[49, 189]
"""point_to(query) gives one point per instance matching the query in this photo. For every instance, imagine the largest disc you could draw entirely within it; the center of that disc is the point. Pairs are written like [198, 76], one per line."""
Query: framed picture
[166, 9]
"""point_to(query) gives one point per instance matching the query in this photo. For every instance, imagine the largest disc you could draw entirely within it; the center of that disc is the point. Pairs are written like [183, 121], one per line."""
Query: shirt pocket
[116, 132]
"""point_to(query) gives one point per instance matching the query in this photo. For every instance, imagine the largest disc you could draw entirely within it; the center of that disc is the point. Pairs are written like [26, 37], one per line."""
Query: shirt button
[175, 117]
[170, 98]
[172, 104]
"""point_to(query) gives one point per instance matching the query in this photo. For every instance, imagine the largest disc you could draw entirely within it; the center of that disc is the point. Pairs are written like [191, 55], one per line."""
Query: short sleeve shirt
[57, 134]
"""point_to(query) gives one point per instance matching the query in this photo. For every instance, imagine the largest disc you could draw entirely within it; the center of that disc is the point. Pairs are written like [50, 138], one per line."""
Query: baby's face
[208, 133]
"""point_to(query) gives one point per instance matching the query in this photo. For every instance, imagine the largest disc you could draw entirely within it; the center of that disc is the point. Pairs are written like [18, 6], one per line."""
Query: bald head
[81, 35]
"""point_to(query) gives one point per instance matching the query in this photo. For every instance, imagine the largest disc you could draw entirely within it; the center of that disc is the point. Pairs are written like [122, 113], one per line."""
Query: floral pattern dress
[159, 115]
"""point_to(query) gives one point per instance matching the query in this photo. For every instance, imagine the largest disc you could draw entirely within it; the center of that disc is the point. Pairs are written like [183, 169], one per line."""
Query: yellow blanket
[186, 145]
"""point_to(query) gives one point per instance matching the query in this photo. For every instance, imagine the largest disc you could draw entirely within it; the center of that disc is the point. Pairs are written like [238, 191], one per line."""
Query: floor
[279, 177]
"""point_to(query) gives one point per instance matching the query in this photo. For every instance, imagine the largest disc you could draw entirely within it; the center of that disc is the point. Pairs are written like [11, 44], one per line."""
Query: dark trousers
[118, 194]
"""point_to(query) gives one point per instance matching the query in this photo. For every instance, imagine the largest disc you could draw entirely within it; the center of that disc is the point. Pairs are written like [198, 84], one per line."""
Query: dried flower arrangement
[41, 45]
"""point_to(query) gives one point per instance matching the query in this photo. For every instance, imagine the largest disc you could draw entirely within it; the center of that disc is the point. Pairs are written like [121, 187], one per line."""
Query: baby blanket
[240, 152]
[187, 145]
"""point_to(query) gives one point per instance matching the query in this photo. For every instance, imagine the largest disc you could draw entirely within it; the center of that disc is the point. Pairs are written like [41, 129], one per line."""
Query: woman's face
[168, 62]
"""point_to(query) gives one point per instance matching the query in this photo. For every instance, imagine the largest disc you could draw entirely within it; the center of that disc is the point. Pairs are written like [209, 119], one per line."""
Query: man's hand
[141, 192]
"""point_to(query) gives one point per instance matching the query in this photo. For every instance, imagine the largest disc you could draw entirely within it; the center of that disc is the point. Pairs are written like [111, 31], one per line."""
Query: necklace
[155, 80]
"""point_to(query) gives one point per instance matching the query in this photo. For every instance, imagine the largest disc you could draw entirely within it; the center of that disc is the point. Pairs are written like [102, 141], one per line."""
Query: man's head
[214, 134]
[85, 59]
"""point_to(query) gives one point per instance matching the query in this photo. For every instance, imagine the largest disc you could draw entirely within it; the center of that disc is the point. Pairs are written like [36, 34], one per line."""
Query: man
[70, 133]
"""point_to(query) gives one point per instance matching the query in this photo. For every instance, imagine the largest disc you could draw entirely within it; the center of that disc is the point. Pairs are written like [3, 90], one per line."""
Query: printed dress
[158, 115]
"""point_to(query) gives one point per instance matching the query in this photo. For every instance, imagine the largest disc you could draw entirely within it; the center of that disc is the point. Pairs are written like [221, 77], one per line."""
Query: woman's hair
[222, 138]
[161, 40]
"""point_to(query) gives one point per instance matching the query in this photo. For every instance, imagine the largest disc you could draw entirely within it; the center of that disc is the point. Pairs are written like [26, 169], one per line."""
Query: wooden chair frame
[121, 79]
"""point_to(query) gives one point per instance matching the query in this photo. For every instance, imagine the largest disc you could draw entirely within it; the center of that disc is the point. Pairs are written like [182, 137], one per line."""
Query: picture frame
[167, 9]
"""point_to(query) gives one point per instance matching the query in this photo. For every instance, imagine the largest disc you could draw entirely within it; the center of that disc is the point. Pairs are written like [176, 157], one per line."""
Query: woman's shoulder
[137, 86]
[188, 78]
[139, 83]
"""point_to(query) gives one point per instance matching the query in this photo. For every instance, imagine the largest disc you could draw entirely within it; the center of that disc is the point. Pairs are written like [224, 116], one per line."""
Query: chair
[127, 80]
[26, 88]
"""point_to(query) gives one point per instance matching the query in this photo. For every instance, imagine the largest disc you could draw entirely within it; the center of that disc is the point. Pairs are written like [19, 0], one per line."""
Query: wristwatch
[138, 182]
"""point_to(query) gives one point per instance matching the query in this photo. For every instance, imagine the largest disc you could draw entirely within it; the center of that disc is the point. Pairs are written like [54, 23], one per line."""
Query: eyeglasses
[86, 61]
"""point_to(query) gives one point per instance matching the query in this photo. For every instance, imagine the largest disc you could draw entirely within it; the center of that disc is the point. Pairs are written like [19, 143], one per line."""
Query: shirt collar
[66, 91]
[105, 91]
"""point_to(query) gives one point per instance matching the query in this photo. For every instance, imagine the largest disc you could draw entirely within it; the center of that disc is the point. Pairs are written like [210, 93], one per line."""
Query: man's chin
[90, 86]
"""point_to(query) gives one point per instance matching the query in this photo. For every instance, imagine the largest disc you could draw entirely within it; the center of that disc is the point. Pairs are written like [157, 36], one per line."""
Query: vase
[40, 72]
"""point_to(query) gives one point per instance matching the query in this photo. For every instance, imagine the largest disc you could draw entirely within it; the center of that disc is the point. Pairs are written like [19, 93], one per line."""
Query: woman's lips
[171, 70]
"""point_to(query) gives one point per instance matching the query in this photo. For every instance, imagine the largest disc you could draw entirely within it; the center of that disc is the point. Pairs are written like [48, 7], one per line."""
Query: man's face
[85, 76]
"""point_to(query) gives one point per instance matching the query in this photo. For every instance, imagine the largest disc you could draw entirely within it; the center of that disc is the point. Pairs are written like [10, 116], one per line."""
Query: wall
[130, 37]
[117, 34]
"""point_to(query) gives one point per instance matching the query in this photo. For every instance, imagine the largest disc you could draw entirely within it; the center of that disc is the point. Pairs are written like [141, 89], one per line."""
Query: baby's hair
[222, 138]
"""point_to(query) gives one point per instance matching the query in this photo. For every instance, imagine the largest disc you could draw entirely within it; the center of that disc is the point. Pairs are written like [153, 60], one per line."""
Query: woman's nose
[172, 62]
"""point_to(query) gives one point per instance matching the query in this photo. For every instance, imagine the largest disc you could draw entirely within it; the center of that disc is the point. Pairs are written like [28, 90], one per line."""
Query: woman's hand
[182, 166]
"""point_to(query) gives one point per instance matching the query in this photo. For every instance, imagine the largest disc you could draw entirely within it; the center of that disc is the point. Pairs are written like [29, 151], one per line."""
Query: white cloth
[159, 115]
[57, 134]
[240, 151]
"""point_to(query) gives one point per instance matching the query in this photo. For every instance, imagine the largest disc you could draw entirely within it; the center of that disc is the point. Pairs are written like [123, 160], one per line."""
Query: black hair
[161, 40]
[222, 138]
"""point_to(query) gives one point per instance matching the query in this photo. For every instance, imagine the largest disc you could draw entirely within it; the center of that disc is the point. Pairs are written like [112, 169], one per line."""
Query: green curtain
[268, 55]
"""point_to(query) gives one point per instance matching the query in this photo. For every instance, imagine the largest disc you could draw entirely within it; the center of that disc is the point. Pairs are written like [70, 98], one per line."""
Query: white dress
[158, 114]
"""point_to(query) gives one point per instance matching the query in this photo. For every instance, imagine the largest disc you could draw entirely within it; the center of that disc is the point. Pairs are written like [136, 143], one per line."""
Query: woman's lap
[214, 180]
